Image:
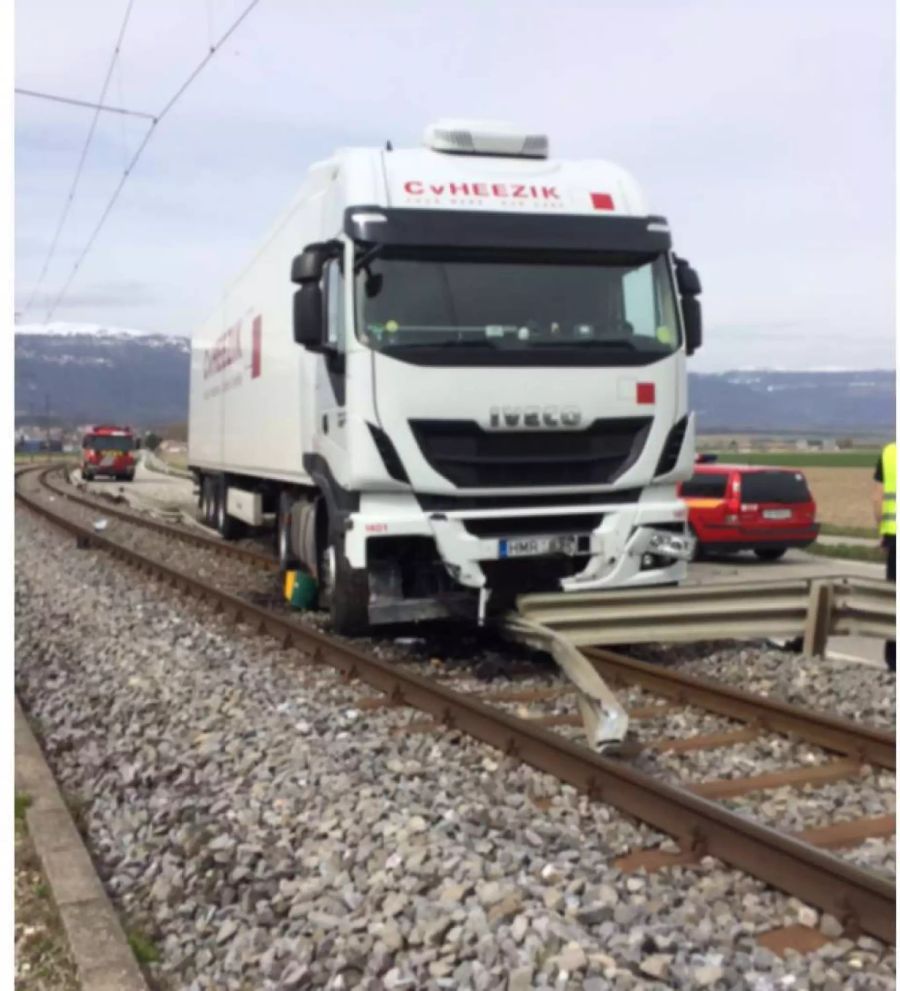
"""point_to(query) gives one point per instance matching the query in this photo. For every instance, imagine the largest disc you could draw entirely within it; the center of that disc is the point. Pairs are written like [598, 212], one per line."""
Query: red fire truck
[108, 450]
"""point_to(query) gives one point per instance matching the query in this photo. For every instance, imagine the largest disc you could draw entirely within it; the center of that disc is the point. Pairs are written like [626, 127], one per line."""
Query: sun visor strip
[474, 229]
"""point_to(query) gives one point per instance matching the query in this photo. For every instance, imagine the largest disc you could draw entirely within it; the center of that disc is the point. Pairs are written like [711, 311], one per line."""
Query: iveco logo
[531, 417]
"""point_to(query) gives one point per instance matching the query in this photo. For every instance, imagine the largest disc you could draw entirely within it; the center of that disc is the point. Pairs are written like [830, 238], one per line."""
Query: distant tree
[152, 440]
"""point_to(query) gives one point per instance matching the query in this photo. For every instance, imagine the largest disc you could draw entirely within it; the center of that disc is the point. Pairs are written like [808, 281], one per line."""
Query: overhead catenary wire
[105, 107]
[123, 121]
[51, 251]
[151, 130]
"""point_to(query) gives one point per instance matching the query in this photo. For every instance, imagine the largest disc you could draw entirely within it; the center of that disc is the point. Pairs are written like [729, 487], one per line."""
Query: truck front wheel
[286, 557]
[344, 591]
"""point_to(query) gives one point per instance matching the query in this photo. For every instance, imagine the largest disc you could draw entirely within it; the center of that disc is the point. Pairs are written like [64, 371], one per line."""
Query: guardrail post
[818, 618]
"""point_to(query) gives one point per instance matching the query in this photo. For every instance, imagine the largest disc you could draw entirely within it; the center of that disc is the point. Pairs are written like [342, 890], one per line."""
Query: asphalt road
[152, 490]
[746, 567]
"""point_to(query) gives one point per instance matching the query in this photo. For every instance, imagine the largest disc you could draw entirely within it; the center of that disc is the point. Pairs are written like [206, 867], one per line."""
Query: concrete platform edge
[102, 955]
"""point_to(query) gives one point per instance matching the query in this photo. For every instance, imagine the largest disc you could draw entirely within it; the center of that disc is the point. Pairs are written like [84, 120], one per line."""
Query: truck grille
[470, 457]
[529, 526]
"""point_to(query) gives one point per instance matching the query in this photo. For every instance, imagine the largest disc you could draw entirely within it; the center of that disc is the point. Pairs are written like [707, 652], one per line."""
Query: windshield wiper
[369, 255]
[585, 343]
[440, 345]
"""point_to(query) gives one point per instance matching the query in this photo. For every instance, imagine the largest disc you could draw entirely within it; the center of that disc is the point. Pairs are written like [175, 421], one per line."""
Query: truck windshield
[99, 442]
[514, 306]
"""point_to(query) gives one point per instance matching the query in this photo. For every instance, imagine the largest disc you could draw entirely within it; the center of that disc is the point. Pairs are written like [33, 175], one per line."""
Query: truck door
[331, 375]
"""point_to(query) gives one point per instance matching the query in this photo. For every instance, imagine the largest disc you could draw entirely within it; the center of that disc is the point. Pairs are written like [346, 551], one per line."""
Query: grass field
[25, 459]
[860, 458]
[840, 481]
[843, 495]
[849, 552]
[833, 530]
[43, 958]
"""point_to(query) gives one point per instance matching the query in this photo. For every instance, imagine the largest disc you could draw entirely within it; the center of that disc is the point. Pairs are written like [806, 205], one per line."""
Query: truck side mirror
[309, 265]
[306, 271]
[309, 328]
[693, 323]
[689, 289]
[687, 278]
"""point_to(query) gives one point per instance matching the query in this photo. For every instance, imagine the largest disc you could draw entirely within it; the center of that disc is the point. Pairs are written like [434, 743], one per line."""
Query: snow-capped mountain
[100, 332]
[80, 373]
[88, 372]
[787, 402]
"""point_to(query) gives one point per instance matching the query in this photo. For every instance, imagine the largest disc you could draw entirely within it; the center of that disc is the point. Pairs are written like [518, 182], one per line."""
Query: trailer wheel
[228, 526]
[207, 501]
[344, 591]
[286, 557]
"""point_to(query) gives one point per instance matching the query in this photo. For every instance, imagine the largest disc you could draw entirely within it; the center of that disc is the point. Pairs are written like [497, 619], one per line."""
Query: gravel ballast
[265, 832]
[853, 691]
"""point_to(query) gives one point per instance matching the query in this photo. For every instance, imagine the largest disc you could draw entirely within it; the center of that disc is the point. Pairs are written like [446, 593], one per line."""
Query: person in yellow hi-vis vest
[885, 506]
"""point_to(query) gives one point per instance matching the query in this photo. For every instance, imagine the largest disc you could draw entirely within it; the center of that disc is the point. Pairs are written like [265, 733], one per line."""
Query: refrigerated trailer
[452, 374]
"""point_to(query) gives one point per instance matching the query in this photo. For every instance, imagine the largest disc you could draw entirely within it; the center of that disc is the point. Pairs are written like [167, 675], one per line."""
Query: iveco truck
[452, 374]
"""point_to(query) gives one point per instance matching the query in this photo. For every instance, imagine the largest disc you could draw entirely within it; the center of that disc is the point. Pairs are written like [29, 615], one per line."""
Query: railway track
[65, 490]
[861, 899]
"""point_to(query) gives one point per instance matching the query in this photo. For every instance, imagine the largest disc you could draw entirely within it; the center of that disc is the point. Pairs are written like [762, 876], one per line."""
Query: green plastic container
[304, 592]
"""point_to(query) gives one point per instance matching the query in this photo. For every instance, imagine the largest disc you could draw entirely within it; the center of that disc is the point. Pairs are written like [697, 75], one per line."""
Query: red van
[748, 507]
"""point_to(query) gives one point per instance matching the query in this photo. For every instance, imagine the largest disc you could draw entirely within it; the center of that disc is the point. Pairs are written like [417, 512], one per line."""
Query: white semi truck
[452, 374]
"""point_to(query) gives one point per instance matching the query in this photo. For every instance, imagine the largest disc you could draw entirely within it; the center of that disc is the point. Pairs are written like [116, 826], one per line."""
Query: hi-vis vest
[889, 495]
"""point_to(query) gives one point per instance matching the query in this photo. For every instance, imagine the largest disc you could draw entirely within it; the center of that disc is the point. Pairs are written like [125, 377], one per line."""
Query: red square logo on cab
[602, 201]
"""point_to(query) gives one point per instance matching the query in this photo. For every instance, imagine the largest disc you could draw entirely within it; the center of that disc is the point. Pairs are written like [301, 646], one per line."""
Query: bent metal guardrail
[812, 608]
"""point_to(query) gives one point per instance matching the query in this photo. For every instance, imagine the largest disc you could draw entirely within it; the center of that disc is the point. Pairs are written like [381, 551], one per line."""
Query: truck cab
[479, 385]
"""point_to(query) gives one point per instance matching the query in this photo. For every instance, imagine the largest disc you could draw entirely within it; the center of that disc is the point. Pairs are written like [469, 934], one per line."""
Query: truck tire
[286, 557]
[229, 527]
[344, 591]
[770, 553]
[87, 475]
[207, 501]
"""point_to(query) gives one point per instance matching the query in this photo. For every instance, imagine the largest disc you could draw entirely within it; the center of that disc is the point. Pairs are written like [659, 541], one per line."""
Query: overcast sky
[763, 130]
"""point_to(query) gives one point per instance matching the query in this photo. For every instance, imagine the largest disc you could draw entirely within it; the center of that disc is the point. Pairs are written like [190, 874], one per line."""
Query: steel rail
[197, 539]
[866, 743]
[860, 899]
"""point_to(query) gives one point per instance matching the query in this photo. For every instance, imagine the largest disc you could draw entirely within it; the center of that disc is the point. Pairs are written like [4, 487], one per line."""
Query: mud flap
[605, 719]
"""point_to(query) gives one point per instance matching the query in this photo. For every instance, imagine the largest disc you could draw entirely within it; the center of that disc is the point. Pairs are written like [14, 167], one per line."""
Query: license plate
[777, 514]
[530, 546]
